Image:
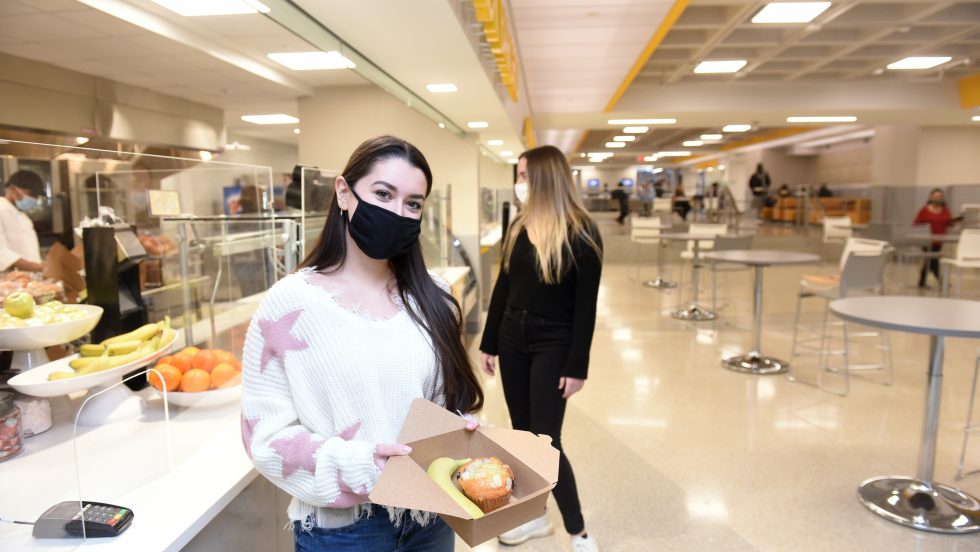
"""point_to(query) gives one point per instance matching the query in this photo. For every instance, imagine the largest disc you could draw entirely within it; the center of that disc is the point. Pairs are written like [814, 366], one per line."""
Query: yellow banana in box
[441, 471]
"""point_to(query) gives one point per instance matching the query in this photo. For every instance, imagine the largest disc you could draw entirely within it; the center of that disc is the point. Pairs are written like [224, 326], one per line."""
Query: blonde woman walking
[542, 316]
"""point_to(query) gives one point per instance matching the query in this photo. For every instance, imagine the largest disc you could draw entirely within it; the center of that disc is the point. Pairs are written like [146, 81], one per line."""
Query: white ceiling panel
[48, 5]
[579, 37]
[104, 23]
[43, 26]
[38, 52]
[100, 48]
[13, 7]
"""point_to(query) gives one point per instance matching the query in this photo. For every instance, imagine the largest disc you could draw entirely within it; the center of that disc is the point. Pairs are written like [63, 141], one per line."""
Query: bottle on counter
[11, 440]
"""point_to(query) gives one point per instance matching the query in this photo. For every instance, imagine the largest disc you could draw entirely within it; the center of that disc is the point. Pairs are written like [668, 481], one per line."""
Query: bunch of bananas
[119, 350]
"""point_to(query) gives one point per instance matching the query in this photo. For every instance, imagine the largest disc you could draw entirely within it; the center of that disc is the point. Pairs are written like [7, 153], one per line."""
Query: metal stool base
[914, 503]
[694, 313]
[755, 363]
[660, 283]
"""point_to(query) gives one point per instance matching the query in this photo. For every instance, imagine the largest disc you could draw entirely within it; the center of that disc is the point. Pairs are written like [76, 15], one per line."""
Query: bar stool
[864, 272]
[967, 256]
[644, 231]
[969, 427]
[727, 243]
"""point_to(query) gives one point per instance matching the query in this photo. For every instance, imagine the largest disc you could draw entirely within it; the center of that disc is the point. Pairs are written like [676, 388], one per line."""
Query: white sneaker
[584, 544]
[536, 528]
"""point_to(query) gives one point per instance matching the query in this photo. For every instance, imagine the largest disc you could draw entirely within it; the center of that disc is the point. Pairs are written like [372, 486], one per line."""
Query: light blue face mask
[26, 203]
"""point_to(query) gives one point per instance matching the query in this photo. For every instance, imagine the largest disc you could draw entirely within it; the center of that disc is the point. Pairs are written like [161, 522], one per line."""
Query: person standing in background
[622, 198]
[759, 184]
[681, 205]
[19, 247]
[937, 216]
[541, 320]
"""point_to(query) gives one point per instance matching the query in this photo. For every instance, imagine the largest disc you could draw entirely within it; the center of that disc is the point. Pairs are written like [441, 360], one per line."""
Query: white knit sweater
[322, 386]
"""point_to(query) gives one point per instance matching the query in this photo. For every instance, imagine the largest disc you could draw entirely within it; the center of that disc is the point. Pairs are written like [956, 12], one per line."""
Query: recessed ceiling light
[600, 154]
[711, 67]
[273, 119]
[737, 128]
[615, 145]
[711, 136]
[642, 121]
[790, 12]
[311, 61]
[447, 87]
[442, 125]
[651, 158]
[478, 124]
[81, 140]
[205, 155]
[834, 119]
[597, 159]
[194, 8]
[506, 153]
[976, 118]
[636, 129]
[692, 143]
[495, 142]
[296, 131]
[673, 154]
[624, 138]
[513, 160]
[918, 62]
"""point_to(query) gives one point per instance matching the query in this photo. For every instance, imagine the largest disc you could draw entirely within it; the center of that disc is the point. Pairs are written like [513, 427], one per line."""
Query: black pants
[930, 265]
[532, 352]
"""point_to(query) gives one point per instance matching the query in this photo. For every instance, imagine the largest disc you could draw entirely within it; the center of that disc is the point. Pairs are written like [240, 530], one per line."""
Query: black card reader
[64, 520]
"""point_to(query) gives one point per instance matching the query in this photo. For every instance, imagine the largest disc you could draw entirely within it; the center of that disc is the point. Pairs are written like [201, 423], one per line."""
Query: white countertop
[452, 274]
[125, 463]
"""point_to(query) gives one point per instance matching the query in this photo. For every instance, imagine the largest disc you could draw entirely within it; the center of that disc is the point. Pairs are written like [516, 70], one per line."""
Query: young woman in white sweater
[337, 352]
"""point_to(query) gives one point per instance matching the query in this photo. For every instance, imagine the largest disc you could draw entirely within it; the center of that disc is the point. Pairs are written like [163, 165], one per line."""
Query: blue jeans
[377, 533]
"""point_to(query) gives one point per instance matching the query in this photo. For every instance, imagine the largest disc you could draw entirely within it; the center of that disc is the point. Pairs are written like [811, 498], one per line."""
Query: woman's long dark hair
[437, 311]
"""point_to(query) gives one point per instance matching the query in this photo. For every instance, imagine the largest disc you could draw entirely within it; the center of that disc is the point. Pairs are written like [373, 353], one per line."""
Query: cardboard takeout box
[433, 432]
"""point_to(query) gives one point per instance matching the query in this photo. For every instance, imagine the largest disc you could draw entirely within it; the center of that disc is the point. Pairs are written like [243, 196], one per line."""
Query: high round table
[660, 282]
[693, 312]
[755, 362]
[918, 501]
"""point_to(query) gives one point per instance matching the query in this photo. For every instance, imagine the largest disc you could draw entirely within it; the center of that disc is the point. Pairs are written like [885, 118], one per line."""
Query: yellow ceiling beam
[969, 88]
[665, 26]
[530, 139]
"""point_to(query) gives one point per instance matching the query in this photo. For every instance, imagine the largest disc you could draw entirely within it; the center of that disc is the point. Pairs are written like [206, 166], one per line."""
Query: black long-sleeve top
[571, 300]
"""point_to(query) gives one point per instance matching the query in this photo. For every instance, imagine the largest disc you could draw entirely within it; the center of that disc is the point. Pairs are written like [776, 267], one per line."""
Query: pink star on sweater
[248, 427]
[350, 432]
[297, 452]
[276, 339]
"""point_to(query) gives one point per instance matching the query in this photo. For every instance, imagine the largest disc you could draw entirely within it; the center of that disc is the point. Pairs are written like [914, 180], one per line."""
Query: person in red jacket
[937, 216]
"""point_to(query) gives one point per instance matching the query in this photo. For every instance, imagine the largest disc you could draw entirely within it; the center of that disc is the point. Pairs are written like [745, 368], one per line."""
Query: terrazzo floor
[674, 453]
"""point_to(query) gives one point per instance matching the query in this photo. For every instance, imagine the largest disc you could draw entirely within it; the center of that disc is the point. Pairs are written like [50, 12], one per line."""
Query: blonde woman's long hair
[554, 214]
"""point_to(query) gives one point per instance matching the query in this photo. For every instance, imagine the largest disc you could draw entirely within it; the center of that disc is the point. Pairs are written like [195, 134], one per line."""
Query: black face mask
[380, 233]
[938, 202]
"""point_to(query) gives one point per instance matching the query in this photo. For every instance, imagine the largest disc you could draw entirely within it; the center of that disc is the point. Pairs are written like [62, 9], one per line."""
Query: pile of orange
[194, 370]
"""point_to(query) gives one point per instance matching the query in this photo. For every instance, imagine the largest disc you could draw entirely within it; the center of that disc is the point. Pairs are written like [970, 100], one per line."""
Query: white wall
[895, 155]
[337, 119]
[281, 157]
[845, 164]
[948, 155]
[610, 176]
